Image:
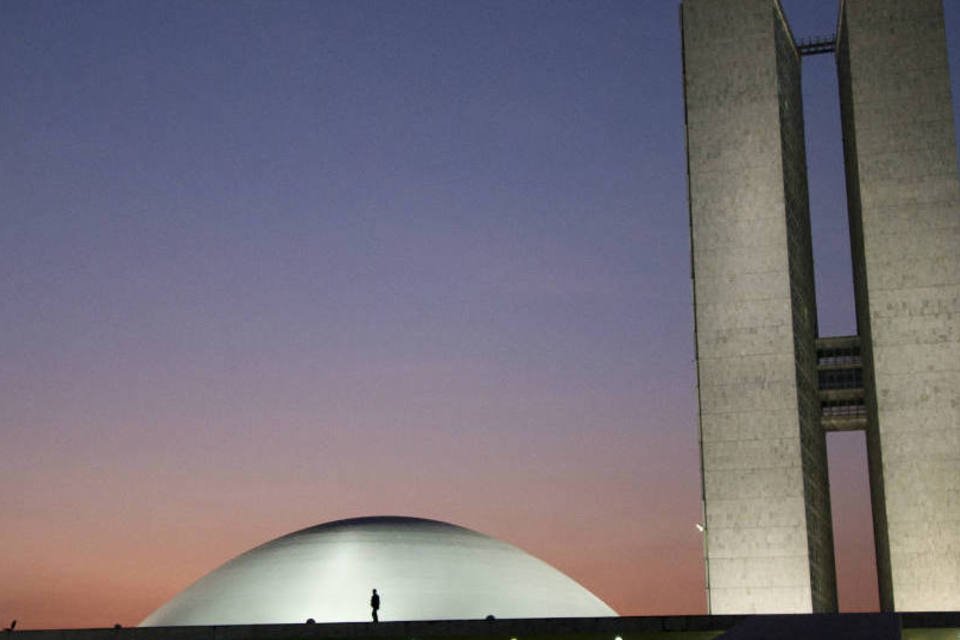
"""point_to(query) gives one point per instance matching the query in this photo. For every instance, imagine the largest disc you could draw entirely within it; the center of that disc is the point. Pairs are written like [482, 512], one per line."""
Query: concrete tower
[766, 499]
[769, 386]
[904, 204]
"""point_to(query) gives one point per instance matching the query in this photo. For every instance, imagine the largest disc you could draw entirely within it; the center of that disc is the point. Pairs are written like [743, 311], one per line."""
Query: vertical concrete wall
[813, 443]
[768, 545]
[904, 202]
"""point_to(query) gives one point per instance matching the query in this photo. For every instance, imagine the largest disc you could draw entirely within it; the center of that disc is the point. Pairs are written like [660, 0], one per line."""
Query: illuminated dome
[423, 570]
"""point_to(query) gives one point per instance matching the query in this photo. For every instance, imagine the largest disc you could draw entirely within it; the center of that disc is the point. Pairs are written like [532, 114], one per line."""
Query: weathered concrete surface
[768, 531]
[904, 202]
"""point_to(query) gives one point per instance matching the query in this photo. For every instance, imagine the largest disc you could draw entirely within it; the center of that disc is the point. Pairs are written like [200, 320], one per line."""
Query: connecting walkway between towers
[817, 45]
[840, 381]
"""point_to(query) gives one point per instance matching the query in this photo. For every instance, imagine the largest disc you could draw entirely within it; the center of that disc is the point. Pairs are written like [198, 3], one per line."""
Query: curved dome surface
[423, 570]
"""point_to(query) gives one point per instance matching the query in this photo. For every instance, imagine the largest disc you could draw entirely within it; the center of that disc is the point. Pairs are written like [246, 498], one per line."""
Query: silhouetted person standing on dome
[375, 605]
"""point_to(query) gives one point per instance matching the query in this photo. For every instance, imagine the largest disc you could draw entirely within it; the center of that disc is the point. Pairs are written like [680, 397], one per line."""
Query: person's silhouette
[375, 605]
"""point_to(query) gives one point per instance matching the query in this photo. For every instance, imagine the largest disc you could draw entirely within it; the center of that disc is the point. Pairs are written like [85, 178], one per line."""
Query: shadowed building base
[849, 626]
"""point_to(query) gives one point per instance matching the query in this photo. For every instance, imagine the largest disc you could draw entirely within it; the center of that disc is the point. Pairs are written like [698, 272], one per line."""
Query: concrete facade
[904, 203]
[768, 534]
[768, 529]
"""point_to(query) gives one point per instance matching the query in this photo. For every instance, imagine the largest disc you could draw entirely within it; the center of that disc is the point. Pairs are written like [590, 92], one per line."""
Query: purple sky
[268, 264]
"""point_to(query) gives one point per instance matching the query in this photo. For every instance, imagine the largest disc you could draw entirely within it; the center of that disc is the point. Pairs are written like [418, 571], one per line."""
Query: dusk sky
[269, 264]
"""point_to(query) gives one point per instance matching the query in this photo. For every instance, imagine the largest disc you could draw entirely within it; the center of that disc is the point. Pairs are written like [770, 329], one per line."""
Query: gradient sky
[269, 264]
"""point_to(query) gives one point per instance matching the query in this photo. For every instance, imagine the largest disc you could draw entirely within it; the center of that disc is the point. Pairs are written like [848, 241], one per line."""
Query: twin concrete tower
[770, 387]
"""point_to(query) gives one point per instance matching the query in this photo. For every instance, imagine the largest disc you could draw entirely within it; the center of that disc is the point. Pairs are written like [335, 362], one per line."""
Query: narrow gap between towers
[836, 316]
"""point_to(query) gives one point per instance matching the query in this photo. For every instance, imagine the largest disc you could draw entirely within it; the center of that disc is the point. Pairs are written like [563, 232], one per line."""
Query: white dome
[423, 570]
